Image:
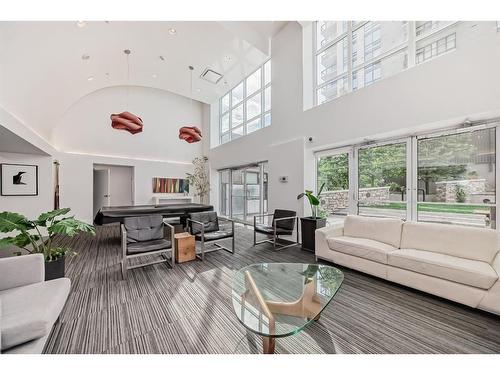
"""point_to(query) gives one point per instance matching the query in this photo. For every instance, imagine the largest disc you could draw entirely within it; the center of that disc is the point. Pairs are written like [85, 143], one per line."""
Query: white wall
[76, 176]
[30, 206]
[86, 126]
[85, 137]
[462, 84]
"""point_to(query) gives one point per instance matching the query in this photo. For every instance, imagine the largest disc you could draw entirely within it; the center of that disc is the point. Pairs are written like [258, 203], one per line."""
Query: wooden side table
[185, 247]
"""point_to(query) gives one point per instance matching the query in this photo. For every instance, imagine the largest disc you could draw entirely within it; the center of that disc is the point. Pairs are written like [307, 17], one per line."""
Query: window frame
[409, 44]
[246, 98]
[411, 142]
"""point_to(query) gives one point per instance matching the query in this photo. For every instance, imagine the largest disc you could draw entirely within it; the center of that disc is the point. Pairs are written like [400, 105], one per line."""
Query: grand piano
[108, 215]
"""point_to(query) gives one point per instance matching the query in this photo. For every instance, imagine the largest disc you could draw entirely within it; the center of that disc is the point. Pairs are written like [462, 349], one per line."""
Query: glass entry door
[334, 174]
[248, 189]
[383, 180]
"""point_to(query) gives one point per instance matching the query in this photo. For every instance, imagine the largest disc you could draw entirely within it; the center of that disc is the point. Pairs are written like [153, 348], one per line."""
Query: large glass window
[247, 107]
[352, 55]
[447, 177]
[244, 192]
[456, 178]
[382, 180]
[333, 172]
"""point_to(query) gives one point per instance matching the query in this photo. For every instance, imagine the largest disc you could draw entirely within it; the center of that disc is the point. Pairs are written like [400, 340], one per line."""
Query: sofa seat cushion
[464, 271]
[381, 229]
[361, 247]
[147, 246]
[28, 312]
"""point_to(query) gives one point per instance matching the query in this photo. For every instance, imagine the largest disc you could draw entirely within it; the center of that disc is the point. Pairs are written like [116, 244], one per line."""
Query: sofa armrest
[323, 234]
[21, 270]
[496, 264]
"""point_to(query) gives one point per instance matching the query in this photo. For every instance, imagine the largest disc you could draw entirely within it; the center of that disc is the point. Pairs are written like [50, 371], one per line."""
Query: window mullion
[412, 44]
[349, 56]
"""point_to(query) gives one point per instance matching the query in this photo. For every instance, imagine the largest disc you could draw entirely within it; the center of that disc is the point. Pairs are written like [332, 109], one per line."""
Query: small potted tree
[309, 224]
[28, 236]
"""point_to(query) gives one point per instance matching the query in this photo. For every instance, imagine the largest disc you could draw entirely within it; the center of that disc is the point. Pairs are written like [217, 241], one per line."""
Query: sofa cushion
[460, 241]
[386, 230]
[28, 312]
[464, 271]
[361, 247]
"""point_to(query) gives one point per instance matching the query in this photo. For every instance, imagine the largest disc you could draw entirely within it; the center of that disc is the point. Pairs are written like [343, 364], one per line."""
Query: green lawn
[458, 208]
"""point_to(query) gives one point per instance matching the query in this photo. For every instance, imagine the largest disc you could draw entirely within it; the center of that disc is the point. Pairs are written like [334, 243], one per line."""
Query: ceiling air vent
[211, 76]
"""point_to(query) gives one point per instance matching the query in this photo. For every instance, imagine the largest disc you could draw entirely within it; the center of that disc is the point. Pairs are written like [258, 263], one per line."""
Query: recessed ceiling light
[154, 75]
[172, 31]
[90, 79]
[85, 57]
[198, 90]
[81, 24]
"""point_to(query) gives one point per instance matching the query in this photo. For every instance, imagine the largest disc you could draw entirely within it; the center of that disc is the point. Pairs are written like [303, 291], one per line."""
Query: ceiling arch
[46, 67]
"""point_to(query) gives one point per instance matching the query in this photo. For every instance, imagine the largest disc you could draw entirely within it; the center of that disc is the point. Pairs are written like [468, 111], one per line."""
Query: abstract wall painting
[170, 185]
[18, 180]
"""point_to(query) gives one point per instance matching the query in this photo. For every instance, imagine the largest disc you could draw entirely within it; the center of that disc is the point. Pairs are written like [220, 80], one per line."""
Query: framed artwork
[170, 185]
[18, 179]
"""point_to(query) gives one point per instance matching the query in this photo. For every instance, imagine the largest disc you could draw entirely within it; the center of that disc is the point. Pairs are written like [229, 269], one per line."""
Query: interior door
[101, 189]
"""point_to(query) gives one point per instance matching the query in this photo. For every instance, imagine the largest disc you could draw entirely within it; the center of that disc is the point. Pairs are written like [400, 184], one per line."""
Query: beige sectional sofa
[29, 305]
[454, 262]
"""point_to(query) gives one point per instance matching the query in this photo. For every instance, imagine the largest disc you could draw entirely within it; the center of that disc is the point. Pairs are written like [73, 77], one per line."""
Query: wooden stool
[185, 247]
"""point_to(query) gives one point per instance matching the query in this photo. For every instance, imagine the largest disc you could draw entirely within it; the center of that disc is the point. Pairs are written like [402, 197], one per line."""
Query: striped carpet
[188, 310]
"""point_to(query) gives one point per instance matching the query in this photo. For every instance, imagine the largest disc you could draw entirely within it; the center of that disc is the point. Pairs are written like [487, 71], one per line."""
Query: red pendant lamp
[126, 120]
[190, 134]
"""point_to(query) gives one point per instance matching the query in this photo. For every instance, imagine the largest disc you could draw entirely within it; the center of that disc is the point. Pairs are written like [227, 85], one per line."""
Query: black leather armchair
[205, 227]
[143, 236]
[283, 223]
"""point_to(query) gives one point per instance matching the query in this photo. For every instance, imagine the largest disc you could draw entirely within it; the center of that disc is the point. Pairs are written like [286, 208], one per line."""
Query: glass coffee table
[281, 299]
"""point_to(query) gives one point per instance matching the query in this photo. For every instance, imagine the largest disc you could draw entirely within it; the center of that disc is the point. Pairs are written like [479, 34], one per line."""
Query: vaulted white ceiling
[42, 72]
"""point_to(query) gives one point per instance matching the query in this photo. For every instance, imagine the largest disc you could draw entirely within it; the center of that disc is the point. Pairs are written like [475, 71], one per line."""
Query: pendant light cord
[191, 88]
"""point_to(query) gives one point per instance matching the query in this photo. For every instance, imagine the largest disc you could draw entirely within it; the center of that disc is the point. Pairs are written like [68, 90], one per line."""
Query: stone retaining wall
[338, 199]
[446, 191]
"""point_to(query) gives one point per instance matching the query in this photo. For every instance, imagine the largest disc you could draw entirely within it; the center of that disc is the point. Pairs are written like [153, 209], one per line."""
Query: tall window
[352, 55]
[247, 107]
[447, 177]
[243, 192]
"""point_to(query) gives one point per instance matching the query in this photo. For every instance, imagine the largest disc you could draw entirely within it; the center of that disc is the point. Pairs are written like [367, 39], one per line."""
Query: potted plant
[200, 178]
[28, 236]
[309, 224]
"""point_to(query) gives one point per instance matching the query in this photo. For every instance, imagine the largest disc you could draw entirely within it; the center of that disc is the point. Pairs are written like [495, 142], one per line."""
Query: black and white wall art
[18, 179]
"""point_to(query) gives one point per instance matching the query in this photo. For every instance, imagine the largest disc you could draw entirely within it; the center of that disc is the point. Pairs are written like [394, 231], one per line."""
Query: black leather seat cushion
[144, 228]
[217, 235]
[266, 229]
[209, 219]
[147, 246]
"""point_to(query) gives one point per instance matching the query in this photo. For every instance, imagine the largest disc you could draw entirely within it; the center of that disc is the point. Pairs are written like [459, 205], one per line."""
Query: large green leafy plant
[313, 200]
[28, 233]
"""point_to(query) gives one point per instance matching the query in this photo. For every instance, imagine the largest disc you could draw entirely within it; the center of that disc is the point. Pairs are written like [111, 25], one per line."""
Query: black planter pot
[55, 269]
[308, 226]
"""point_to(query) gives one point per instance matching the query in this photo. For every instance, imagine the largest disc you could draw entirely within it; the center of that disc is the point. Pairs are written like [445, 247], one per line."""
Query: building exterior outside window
[350, 55]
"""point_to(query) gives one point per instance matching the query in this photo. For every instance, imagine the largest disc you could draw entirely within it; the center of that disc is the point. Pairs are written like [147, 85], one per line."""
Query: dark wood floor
[188, 310]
